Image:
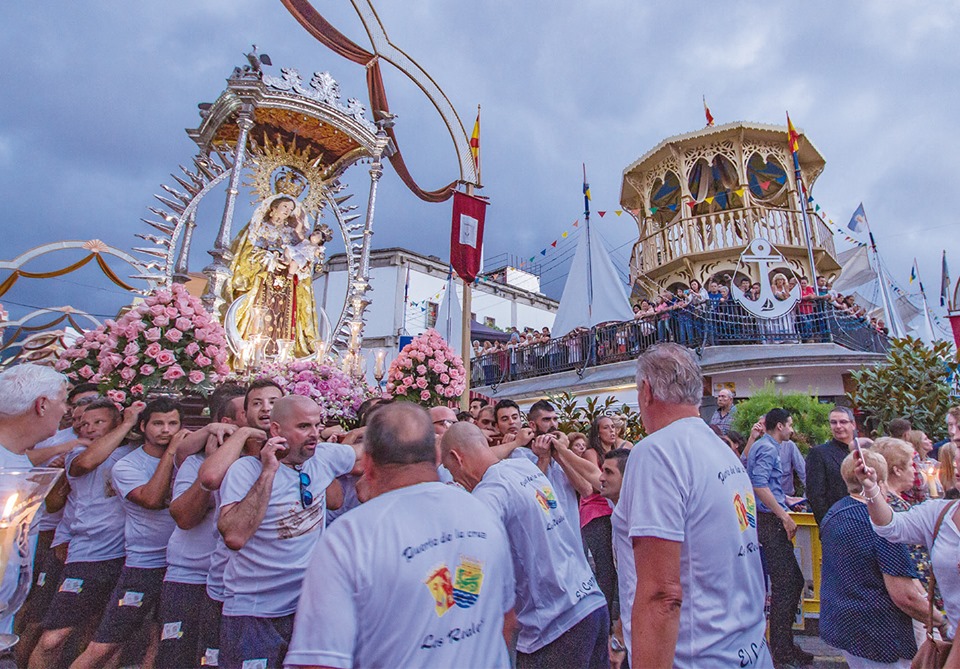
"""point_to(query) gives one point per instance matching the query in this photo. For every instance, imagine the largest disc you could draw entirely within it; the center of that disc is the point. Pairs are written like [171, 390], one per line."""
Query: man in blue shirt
[775, 530]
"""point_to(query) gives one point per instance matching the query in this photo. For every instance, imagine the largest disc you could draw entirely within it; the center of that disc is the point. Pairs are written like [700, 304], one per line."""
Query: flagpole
[465, 347]
[926, 308]
[798, 177]
[888, 308]
[586, 215]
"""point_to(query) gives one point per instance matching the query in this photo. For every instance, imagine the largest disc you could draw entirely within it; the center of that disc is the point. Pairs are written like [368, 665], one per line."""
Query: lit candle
[379, 358]
[8, 531]
[932, 480]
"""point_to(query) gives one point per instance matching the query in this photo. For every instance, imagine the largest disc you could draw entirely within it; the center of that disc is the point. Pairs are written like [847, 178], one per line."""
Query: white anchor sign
[762, 253]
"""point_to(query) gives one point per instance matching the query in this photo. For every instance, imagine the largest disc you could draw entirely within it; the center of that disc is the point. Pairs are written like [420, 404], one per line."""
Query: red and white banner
[466, 236]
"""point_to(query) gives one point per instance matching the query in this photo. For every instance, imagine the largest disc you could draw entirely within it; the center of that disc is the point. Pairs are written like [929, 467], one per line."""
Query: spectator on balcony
[646, 317]
[755, 292]
[698, 295]
[805, 323]
[713, 293]
[664, 309]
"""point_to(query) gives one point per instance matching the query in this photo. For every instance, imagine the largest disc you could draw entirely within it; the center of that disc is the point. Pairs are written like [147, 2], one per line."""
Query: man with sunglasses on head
[271, 516]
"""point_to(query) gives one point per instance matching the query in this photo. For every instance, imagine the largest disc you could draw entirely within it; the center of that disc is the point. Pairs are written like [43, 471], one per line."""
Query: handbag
[933, 653]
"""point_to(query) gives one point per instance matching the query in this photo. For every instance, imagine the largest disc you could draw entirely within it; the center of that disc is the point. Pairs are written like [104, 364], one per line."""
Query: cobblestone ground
[827, 656]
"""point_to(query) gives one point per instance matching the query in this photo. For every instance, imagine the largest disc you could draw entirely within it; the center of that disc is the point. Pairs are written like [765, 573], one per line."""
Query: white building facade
[407, 289]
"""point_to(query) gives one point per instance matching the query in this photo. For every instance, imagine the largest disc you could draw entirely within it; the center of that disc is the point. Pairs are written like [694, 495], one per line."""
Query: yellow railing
[731, 229]
[807, 543]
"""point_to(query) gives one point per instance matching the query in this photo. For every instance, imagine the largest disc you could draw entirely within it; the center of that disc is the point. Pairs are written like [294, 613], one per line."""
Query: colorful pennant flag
[601, 213]
[913, 271]
[706, 112]
[793, 137]
[475, 143]
[858, 222]
[618, 212]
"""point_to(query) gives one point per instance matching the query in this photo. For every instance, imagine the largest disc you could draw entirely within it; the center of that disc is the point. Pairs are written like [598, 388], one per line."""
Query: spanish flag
[793, 136]
[475, 143]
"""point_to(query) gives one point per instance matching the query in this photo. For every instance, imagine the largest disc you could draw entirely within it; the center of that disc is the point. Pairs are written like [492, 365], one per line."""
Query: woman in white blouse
[916, 526]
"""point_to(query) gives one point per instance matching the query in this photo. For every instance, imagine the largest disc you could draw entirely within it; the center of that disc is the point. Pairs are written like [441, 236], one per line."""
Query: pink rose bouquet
[155, 344]
[427, 371]
[338, 394]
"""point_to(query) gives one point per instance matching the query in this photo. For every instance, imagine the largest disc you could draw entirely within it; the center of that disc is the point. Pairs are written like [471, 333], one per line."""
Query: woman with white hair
[868, 591]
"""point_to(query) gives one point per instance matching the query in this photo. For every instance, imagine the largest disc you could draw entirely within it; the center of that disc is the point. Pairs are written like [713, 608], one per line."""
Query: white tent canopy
[450, 317]
[593, 293]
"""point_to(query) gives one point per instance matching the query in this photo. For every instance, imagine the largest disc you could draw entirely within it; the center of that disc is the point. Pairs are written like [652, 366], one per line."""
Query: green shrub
[810, 417]
[911, 384]
[576, 418]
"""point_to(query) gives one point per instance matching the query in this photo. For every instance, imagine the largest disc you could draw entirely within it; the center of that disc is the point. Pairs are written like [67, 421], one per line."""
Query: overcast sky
[96, 96]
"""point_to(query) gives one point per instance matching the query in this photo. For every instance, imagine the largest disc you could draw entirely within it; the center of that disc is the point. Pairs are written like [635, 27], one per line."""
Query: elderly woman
[900, 478]
[868, 591]
[919, 525]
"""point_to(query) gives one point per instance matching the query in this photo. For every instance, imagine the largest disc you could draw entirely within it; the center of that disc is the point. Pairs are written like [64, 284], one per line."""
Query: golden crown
[290, 182]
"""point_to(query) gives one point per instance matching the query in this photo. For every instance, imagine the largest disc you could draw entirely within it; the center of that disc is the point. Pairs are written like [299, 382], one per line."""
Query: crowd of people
[484, 539]
[692, 316]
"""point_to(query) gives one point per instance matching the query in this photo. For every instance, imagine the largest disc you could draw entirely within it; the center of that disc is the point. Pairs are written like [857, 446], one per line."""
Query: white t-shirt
[683, 484]
[146, 531]
[556, 588]
[189, 551]
[916, 527]
[95, 511]
[562, 488]
[51, 521]
[263, 578]
[420, 576]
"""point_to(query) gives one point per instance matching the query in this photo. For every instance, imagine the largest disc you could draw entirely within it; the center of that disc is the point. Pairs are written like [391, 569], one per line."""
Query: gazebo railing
[694, 327]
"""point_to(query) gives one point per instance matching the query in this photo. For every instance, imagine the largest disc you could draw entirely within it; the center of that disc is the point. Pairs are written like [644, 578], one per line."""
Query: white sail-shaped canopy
[450, 317]
[593, 293]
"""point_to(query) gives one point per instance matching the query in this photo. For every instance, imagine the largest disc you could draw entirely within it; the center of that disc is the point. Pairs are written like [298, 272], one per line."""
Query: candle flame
[8, 507]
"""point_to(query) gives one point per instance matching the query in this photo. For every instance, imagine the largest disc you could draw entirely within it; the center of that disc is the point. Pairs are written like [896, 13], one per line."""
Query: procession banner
[466, 237]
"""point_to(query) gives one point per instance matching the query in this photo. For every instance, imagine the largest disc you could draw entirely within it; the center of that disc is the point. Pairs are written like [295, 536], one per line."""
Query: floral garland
[338, 394]
[168, 341]
[427, 370]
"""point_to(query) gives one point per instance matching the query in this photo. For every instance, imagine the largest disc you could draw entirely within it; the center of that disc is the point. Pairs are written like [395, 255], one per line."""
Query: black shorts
[133, 603]
[46, 577]
[82, 593]
[245, 640]
[184, 615]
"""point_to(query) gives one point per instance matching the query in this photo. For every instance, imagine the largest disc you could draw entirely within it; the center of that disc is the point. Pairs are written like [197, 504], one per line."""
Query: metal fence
[692, 326]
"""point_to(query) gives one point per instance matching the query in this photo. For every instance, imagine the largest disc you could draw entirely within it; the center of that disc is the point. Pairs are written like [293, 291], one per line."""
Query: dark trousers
[583, 645]
[598, 536]
[786, 582]
[246, 639]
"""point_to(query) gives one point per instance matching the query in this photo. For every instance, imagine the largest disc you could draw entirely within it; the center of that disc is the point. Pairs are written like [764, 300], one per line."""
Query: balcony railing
[731, 229]
[695, 327]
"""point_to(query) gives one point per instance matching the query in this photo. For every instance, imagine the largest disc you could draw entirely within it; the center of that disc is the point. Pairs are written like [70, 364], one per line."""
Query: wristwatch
[616, 646]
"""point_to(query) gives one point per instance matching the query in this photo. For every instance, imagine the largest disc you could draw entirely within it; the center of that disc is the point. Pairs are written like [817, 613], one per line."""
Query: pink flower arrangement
[155, 344]
[338, 394]
[427, 370]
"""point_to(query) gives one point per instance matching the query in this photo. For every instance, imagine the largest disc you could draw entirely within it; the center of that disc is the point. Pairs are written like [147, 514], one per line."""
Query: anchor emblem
[762, 253]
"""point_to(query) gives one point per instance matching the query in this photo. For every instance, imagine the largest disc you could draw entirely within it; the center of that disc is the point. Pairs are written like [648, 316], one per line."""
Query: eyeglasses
[306, 497]
[840, 422]
[446, 422]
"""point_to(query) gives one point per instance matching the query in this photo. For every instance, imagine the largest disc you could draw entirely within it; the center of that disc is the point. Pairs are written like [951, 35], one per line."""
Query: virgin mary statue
[276, 295]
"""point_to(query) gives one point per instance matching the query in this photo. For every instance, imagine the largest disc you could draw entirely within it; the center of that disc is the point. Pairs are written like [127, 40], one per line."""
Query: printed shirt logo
[546, 499]
[463, 589]
[746, 511]
[466, 586]
[441, 587]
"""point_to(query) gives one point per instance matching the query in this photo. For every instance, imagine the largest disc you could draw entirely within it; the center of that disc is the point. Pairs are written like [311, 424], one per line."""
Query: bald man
[271, 516]
[419, 576]
[561, 611]
[443, 418]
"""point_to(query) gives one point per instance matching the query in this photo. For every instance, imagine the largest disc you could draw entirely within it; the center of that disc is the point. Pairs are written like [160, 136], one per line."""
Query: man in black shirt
[825, 486]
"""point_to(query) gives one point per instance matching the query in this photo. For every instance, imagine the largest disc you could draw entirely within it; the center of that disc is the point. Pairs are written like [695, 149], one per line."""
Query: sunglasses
[306, 497]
